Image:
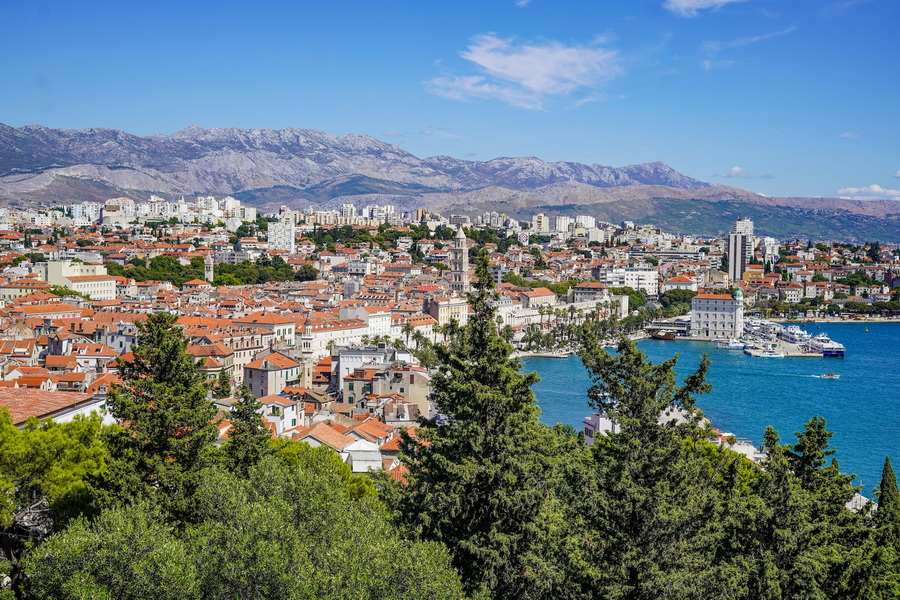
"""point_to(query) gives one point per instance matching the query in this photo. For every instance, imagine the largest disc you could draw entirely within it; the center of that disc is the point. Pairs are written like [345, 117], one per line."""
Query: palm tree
[418, 337]
[407, 330]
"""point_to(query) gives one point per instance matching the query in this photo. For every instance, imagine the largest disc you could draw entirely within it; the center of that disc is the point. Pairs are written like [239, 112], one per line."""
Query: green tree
[655, 505]
[479, 481]
[306, 273]
[888, 514]
[128, 553]
[222, 388]
[170, 430]
[676, 297]
[248, 438]
[43, 468]
[250, 538]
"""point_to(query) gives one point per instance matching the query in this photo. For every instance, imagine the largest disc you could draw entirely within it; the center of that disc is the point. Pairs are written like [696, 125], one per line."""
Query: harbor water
[862, 408]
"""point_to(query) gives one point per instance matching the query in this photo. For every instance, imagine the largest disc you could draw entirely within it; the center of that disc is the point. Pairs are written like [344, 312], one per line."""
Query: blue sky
[782, 97]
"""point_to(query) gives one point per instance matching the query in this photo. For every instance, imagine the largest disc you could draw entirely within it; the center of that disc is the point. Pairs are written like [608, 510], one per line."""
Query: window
[350, 386]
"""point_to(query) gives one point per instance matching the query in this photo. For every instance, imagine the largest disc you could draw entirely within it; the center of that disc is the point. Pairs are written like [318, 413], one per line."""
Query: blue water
[862, 408]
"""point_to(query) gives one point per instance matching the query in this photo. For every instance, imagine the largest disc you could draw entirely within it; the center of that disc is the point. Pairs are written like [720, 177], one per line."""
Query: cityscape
[518, 300]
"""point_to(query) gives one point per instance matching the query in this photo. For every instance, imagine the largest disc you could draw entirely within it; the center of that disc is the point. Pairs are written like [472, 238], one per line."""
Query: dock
[787, 348]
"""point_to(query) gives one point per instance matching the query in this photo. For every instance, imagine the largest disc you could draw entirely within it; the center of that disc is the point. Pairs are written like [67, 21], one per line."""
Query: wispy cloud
[871, 192]
[741, 173]
[523, 2]
[848, 135]
[393, 134]
[525, 75]
[692, 8]
[709, 65]
[896, 175]
[836, 7]
[441, 134]
[713, 48]
[718, 46]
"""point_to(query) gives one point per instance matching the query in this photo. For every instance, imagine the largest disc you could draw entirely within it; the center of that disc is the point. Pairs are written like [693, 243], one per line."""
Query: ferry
[794, 335]
[825, 346]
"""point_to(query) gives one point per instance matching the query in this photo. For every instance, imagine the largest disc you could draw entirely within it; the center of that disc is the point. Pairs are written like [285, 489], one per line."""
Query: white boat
[794, 335]
[770, 354]
[830, 376]
[825, 346]
[730, 344]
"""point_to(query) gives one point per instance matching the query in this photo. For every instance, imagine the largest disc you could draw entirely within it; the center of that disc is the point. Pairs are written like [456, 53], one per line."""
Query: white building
[717, 315]
[85, 278]
[639, 277]
[282, 236]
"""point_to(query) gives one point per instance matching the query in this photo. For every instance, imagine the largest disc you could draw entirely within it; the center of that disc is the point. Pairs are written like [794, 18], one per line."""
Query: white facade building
[282, 236]
[644, 277]
[717, 315]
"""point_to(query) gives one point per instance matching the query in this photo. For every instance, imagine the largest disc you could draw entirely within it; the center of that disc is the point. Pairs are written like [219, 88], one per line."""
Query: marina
[857, 395]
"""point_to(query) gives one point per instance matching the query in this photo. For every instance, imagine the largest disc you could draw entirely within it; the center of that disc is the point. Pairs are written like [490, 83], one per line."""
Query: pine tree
[656, 506]
[888, 514]
[222, 388]
[248, 438]
[479, 482]
[168, 431]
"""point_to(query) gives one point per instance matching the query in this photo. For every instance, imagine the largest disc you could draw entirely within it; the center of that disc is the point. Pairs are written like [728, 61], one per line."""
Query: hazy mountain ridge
[302, 167]
[229, 161]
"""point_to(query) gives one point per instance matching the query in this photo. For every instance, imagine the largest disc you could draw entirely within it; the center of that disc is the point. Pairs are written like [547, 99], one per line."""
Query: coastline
[834, 320]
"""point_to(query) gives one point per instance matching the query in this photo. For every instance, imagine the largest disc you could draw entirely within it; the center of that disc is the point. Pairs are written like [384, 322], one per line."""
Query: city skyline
[784, 100]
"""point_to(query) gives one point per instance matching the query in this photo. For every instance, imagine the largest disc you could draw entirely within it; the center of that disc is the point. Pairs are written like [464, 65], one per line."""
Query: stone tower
[459, 263]
[208, 271]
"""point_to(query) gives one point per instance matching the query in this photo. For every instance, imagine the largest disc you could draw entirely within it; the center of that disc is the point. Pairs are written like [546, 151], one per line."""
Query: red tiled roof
[24, 403]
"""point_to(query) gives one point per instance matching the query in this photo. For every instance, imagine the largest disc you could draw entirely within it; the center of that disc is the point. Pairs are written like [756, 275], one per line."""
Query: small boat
[770, 354]
[662, 334]
[830, 376]
[730, 344]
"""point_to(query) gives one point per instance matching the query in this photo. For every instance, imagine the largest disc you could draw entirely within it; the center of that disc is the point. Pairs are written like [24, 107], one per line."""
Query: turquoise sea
[862, 408]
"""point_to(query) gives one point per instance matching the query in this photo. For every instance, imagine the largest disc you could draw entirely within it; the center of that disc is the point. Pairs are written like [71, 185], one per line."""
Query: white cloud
[525, 75]
[691, 8]
[736, 172]
[709, 65]
[848, 135]
[896, 175]
[392, 134]
[523, 2]
[872, 192]
[741, 173]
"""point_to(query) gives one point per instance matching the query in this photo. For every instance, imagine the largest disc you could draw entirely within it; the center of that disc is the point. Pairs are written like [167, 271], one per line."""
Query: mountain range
[300, 167]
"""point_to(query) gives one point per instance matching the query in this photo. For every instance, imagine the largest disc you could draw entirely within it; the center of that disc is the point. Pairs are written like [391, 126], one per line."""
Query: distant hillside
[300, 167]
[314, 165]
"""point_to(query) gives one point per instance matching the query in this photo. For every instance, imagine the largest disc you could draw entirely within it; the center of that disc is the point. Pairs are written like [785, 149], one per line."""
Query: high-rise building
[281, 236]
[540, 223]
[459, 263]
[740, 248]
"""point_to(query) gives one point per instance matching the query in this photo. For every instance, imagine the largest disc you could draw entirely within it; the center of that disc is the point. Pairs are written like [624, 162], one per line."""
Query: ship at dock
[824, 345]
